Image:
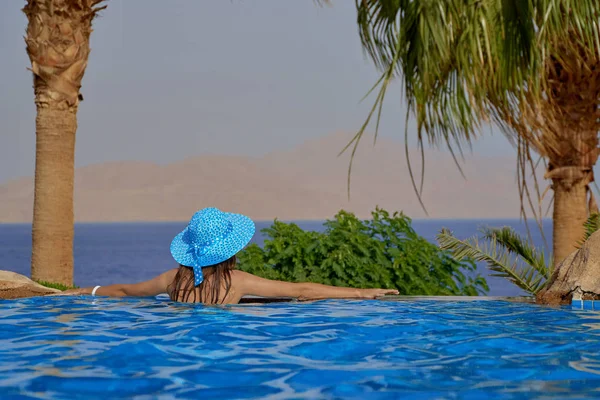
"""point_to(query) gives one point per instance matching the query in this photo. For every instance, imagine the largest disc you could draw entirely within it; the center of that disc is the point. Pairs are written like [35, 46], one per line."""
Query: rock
[578, 276]
[13, 286]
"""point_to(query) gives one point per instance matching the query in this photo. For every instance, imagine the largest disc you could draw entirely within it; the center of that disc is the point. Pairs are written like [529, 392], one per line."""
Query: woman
[205, 251]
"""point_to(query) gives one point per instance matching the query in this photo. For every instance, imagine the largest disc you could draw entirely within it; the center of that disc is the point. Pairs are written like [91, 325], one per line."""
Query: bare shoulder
[248, 284]
[244, 281]
[162, 282]
[171, 273]
[168, 276]
[238, 277]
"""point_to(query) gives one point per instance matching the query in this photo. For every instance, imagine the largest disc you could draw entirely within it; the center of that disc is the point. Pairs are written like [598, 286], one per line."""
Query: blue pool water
[88, 348]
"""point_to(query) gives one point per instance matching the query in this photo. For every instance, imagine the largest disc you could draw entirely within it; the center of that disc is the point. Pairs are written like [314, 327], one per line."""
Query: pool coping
[576, 304]
[513, 299]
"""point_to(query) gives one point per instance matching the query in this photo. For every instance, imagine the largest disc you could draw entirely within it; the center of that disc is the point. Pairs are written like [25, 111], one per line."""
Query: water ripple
[153, 348]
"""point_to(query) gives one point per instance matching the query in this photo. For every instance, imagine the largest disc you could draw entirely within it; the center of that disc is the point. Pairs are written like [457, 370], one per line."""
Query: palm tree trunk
[58, 38]
[569, 215]
[52, 233]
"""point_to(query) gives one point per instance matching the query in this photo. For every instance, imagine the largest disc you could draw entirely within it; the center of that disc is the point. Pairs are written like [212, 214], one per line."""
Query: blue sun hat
[212, 236]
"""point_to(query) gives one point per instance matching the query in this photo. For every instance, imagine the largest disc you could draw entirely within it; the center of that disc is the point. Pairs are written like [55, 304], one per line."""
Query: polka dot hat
[212, 236]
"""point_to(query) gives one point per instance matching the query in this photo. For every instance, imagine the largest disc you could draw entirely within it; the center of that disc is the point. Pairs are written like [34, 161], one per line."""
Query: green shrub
[383, 252]
[58, 286]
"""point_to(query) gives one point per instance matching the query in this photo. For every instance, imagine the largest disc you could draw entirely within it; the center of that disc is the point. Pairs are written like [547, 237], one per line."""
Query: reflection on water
[87, 347]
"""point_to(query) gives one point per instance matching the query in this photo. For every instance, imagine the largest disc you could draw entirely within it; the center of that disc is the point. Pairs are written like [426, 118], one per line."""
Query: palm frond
[500, 260]
[516, 245]
[462, 64]
[424, 44]
[447, 57]
[591, 225]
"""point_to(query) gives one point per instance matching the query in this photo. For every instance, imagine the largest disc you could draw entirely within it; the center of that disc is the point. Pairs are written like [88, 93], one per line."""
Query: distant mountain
[306, 182]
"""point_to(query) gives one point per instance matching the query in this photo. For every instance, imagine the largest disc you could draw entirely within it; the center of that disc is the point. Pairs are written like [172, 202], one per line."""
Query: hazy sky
[171, 79]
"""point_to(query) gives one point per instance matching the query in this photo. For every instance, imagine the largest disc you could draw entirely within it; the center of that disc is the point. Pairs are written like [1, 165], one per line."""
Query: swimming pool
[84, 347]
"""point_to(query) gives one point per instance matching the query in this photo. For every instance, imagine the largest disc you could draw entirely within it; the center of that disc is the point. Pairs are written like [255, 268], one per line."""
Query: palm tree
[509, 255]
[506, 253]
[529, 66]
[58, 45]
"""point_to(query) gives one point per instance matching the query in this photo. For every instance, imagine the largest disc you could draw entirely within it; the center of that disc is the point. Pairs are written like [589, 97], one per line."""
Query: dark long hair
[215, 276]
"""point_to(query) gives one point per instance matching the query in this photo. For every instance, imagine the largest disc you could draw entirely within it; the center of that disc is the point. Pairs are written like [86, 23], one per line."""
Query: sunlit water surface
[84, 347]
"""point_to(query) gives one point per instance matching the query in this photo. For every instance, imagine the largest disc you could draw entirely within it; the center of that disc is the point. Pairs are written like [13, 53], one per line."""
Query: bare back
[203, 292]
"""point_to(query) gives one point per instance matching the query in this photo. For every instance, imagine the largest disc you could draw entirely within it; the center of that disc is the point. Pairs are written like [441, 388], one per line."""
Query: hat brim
[242, 232]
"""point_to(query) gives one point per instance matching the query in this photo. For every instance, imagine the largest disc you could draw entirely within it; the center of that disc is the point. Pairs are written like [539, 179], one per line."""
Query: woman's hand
[374, 293]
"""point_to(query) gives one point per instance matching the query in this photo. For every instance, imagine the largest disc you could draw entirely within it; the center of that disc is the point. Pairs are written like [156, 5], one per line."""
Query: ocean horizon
[126, 252]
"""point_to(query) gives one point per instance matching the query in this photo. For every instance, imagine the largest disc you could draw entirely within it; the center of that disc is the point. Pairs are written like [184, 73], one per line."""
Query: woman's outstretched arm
[152, 287]
[248, 284]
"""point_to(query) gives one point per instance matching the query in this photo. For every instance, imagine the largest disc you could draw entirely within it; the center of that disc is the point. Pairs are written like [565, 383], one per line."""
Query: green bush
[383, 252]
[58, 286]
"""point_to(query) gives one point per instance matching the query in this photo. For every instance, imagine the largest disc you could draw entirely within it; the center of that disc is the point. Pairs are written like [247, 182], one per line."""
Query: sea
[109, 253]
